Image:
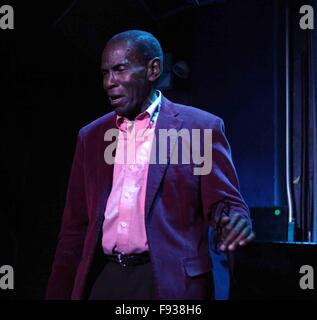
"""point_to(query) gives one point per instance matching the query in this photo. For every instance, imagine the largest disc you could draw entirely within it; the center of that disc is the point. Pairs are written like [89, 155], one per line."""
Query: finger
[230, 225]
[224, 220]
[244, 233]
[248, 239]
[233, 221]
[235, 232]
[227, 230]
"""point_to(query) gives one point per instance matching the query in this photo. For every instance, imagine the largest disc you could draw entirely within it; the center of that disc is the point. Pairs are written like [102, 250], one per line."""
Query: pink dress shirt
[124, 223]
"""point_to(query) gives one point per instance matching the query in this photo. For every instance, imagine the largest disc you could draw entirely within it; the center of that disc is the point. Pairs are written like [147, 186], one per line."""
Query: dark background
[51, 87]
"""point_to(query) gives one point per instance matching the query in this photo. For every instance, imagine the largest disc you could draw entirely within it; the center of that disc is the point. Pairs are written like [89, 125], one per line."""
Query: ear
[154, 69]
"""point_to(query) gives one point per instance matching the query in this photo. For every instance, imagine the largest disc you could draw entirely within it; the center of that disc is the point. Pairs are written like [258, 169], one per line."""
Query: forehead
[118, 52]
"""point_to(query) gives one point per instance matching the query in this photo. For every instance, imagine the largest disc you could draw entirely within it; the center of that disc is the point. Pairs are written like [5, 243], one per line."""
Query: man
[138, 229]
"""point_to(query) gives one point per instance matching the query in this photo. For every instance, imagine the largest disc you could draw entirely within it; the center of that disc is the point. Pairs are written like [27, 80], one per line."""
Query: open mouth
[115, 99]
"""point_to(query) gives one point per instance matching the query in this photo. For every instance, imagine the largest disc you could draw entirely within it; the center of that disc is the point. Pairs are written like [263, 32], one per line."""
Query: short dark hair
[147, 46]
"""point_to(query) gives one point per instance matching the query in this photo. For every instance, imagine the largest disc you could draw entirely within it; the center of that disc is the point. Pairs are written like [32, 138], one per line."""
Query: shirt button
[127, 195]
[123, 224]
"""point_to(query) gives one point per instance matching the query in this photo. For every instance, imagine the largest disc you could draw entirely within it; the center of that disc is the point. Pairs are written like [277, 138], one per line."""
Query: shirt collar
[151, 110]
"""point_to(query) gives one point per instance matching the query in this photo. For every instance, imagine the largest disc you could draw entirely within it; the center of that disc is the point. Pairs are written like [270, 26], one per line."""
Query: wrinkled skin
[127, 80]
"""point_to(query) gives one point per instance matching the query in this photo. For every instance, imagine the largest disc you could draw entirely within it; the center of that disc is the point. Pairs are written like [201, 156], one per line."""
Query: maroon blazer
[178, 209]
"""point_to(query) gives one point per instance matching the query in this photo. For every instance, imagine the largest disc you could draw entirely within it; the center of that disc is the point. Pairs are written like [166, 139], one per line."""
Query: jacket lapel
[106, 175]
[167, 119]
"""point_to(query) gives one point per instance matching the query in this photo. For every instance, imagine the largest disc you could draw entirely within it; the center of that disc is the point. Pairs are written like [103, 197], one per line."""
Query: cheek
[104, 82]
[135, 88]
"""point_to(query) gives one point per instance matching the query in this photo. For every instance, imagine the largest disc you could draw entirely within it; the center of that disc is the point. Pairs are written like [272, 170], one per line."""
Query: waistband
[129, 259]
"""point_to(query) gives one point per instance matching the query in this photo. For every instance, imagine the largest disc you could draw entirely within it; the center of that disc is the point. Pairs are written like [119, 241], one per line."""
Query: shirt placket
[128, 195]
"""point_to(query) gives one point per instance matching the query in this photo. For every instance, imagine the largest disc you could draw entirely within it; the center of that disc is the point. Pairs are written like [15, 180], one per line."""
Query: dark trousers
[116, 282]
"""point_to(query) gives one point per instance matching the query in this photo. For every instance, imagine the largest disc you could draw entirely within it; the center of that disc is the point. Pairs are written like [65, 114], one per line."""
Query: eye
[121, 68]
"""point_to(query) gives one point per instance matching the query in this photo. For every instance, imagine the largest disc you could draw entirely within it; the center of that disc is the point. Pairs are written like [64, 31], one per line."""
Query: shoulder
[99, 125]
[197, 114]
[194, 116]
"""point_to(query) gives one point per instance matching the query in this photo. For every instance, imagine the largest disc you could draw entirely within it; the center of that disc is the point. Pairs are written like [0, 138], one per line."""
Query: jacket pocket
[196, 266]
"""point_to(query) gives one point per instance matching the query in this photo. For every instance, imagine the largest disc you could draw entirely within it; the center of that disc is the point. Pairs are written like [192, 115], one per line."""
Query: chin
[120, 111]
[124, 112]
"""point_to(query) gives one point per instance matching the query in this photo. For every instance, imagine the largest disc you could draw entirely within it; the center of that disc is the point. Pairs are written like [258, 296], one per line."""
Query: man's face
[125, 79]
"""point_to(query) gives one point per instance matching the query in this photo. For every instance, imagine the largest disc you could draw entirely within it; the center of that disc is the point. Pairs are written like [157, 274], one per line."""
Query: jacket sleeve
[73, 231]
[221, 185]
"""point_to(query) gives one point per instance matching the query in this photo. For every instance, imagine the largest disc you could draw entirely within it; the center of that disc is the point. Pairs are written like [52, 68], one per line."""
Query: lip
[114, 101]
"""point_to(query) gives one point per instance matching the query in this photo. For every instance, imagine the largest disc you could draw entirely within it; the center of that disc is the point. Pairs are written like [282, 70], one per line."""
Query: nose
[109, 81]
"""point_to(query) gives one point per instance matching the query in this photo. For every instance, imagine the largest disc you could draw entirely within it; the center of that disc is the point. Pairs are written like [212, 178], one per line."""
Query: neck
[147, 102]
